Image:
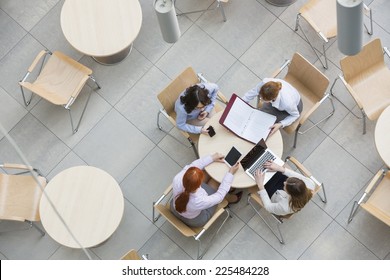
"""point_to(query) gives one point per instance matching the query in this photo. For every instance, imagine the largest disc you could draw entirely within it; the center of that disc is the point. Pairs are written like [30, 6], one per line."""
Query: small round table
[103, 29]
[222, 143]
[382, 136]
[90, 202]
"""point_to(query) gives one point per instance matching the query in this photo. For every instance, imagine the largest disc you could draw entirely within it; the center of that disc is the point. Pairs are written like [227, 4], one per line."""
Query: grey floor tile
[140, 104]
[160, 247]
[14, 66]
[70, 160]
[274, 9]
[195, 48]
[48, 31]
[247, 245]
[114, 145]
[241, 29]
[146, 183]
[10, 30]
[64, 253]
[299, 231]
[134, 230]
[2, 257]
[379, 10]
[348, 134]
[371, 232]
[27, 13]
[187, 6]
[341, 173]
[42, 148]
[56, 118]
[337, 244]
[116, 80]
[11, 112]
[149, 41]
[19, 242]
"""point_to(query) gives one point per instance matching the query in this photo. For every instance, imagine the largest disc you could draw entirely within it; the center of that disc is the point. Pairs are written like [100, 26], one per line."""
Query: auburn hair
[299, 193]
[193, 96]
[270, 90]
[192, 180]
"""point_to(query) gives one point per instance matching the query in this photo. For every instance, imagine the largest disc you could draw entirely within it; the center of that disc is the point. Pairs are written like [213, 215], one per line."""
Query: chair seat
[20, 196]
[378, 203]
[60, 79]
[321, 14]
[373, 90]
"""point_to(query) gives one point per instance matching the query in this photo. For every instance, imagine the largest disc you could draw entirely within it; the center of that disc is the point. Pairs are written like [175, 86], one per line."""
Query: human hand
[275, 128]
[204, 131]
[273, 167]
[217, 157]
[233, 169]
[202, 115]
[259, 178]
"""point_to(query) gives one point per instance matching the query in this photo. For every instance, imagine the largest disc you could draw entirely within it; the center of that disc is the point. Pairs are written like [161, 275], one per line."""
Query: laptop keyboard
[267, 156]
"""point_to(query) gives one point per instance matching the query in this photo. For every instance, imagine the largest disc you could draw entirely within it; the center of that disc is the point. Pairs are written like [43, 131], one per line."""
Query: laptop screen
[253, 154]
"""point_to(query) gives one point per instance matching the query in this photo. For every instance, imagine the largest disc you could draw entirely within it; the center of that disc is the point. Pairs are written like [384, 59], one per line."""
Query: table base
[281, 3]
[114, 59]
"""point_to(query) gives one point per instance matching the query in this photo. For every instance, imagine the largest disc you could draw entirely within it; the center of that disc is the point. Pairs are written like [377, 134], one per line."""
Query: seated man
[194, 107]
[279, 99]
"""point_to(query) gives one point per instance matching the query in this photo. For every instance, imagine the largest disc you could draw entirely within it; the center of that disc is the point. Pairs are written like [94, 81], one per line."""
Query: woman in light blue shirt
[194, 107]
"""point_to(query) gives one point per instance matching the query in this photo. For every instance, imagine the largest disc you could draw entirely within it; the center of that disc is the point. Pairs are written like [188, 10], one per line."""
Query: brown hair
[299, 193]
[192, 180]
[270, 90]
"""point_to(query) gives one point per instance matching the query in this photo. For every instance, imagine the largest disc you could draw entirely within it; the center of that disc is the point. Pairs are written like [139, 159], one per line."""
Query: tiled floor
[119, 133]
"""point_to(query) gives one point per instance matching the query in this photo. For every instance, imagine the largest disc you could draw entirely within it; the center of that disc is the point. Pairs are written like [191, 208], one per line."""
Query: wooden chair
[311, 85]
[170, 94]
[377, 202]
[133, 255]
[21, 194]
[321, 17]
[254, 199]
[162, 206]
[59, 81]
[219, 6]
[367, 79]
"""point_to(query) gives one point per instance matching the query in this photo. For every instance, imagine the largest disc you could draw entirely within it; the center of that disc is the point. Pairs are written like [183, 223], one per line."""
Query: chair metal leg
[353, 211]
[296, 136]
[197, 238]
[26, 102]
[371, 30]
[219, 5]
[35, 226]
[280, 236]
[323, 199]
[94, 80]
[74, 130]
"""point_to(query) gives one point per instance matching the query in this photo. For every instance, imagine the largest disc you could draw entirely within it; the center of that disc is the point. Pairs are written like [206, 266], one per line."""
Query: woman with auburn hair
[279, 98]
[286, 192]
[194, 200]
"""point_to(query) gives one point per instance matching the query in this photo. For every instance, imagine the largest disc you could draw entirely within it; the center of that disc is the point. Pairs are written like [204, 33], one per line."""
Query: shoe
[239, 195]
[232, 190]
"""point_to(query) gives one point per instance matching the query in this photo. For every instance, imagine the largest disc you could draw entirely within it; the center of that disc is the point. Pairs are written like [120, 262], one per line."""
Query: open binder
[245, 121]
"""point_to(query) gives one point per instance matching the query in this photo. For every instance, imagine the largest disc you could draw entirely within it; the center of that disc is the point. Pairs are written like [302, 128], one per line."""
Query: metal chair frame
[219, 5]
[68, 104]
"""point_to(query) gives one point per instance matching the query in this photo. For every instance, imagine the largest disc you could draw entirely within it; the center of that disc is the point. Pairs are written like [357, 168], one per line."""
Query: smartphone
[232, 157]
[211, 131]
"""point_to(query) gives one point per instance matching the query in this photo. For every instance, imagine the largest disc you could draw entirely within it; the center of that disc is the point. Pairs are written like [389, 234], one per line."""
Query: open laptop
[255, 159]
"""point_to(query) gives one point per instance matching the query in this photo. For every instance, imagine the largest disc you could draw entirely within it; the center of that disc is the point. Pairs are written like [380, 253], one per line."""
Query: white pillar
[167, 19]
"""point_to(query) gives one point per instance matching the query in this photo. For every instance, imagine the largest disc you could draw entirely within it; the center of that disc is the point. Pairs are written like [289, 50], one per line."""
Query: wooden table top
[222, 143]
[382, 136]
[101, 27]
[90, 202]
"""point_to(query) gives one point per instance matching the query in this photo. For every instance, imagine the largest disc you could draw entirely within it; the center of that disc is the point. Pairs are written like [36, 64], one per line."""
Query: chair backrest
[169, 95]
[20, 197]
[321, 14]
[306, 78]
[378, 203]
[131, 255]
[370, 57]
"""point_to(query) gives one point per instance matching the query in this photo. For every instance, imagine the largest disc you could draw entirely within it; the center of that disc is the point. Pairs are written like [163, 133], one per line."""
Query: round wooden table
[222, 142]
[103, 29]
[90, 202]
[382, 136]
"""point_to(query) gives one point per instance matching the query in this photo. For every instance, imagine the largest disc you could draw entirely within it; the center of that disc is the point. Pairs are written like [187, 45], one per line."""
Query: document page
[246, 121]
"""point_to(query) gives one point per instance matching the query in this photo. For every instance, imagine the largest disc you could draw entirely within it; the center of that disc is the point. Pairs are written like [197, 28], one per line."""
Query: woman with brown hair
[286, 192]
[194, 200]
